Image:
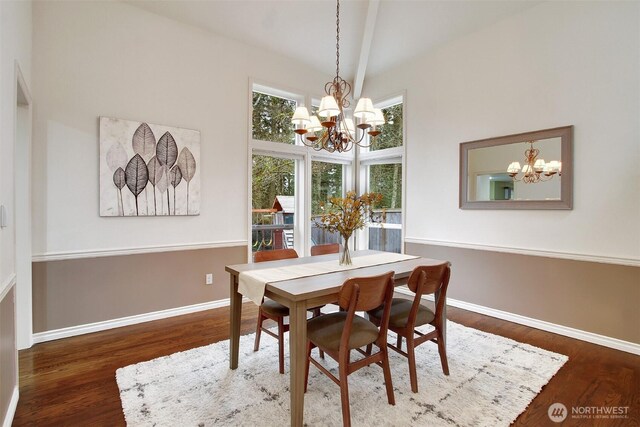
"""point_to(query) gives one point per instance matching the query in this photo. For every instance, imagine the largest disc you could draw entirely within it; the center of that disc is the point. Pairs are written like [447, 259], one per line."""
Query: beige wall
[8, 354]
[81, 291]
[590, 296]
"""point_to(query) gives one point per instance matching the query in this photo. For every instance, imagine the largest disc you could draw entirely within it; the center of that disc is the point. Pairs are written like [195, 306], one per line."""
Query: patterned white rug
[493, 379]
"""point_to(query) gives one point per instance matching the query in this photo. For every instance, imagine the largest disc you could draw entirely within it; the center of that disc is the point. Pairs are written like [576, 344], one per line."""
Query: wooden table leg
[235, 314]
[297, 355]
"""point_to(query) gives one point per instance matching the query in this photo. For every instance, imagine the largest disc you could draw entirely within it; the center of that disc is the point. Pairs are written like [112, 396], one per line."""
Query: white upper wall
[15, 47]
[111, 59]
[557, 64]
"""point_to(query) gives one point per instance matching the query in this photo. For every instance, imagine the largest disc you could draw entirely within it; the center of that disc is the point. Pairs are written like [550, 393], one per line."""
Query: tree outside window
[326, 182]
[391, 135]
[272, 226]
[271, 118]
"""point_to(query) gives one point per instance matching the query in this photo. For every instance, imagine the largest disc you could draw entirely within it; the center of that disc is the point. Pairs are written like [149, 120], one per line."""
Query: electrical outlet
[209, 279]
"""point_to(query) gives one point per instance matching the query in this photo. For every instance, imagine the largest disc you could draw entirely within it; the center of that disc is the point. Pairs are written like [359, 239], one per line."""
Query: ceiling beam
[367, 37]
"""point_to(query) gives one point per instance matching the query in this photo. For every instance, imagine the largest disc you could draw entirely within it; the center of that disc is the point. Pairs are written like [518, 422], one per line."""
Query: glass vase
[344, 256]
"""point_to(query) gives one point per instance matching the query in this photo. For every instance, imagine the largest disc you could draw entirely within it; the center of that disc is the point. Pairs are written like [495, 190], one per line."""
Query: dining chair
[406, 315]
[270, 309]
[328, 248]
[339, 333]
[274, 255]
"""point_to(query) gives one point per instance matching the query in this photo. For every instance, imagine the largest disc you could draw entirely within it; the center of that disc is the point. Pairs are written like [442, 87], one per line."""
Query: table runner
[252, 283]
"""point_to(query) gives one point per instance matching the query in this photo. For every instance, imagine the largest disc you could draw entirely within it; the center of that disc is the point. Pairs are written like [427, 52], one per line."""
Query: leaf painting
[144, 141]
[116, 157]
[143, 163]
[176, 177]
[162, 184]
[119, 180]
[155, 173]
[137, 176]
[187, 164]
[167, 150]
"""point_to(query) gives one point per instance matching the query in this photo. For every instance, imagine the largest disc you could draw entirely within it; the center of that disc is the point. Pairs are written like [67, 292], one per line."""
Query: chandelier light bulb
[314, 125]
[513, 168]
[364, 109]
[377, 119]
[300, 116]
[328, 107]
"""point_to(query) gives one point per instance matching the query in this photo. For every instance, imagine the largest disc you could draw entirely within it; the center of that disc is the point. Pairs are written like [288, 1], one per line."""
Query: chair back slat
[372, 291]
[329, 248]
[276, 254]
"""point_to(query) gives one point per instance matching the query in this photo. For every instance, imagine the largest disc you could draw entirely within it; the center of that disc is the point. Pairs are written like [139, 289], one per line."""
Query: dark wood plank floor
[72, 381]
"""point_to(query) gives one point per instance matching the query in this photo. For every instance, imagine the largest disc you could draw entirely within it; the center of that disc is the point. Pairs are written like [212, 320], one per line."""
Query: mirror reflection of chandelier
[337, 131]
[534, 169]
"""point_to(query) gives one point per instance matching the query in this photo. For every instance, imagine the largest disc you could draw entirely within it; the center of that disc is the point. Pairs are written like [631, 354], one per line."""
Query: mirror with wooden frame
[532, 170]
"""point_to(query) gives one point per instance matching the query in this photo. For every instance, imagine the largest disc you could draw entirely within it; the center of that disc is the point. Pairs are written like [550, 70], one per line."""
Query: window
[392, 130]
[381, 171]
[289, 180]
[386, 179]
[272, 203]
[327, 181]
[271, 118]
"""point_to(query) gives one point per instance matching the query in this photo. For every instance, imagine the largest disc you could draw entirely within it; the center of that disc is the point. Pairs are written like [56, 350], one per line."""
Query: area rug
[492, 380]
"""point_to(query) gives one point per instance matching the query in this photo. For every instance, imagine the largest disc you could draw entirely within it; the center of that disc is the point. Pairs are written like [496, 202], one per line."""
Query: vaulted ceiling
[395, 30]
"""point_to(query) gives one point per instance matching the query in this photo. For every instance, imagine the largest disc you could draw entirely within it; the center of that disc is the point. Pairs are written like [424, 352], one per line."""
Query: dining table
[300, 286]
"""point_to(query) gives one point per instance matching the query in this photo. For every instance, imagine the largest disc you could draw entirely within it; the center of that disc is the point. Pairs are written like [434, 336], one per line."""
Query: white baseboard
[579, 334]
[73, 331]
[11, 410]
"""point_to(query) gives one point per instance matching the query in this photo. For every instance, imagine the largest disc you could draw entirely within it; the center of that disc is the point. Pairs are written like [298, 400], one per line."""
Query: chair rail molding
[97, 253]
[6, 285]
[633, 262]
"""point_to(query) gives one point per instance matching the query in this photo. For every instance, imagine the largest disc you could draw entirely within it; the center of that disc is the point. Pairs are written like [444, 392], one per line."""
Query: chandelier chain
[338, 38]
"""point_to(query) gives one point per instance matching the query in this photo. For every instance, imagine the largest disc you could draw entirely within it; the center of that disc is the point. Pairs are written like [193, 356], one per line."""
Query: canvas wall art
[148, 170]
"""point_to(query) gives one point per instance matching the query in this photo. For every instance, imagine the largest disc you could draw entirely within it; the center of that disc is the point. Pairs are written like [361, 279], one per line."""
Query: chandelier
[337, 131]
[534, 169]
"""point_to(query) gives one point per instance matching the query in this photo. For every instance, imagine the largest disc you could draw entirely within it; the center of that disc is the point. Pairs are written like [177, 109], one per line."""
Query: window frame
[366, 158]
[303, 157]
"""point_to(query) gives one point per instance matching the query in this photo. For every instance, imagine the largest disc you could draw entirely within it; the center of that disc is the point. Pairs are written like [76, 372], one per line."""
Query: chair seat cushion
[274, 308]
[400, 309]
[325, 331]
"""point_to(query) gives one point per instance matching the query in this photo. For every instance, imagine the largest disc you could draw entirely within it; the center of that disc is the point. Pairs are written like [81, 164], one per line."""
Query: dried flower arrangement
[344, 215]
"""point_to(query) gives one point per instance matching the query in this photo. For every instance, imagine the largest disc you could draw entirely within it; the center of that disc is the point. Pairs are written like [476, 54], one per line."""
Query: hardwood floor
[72, 381]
